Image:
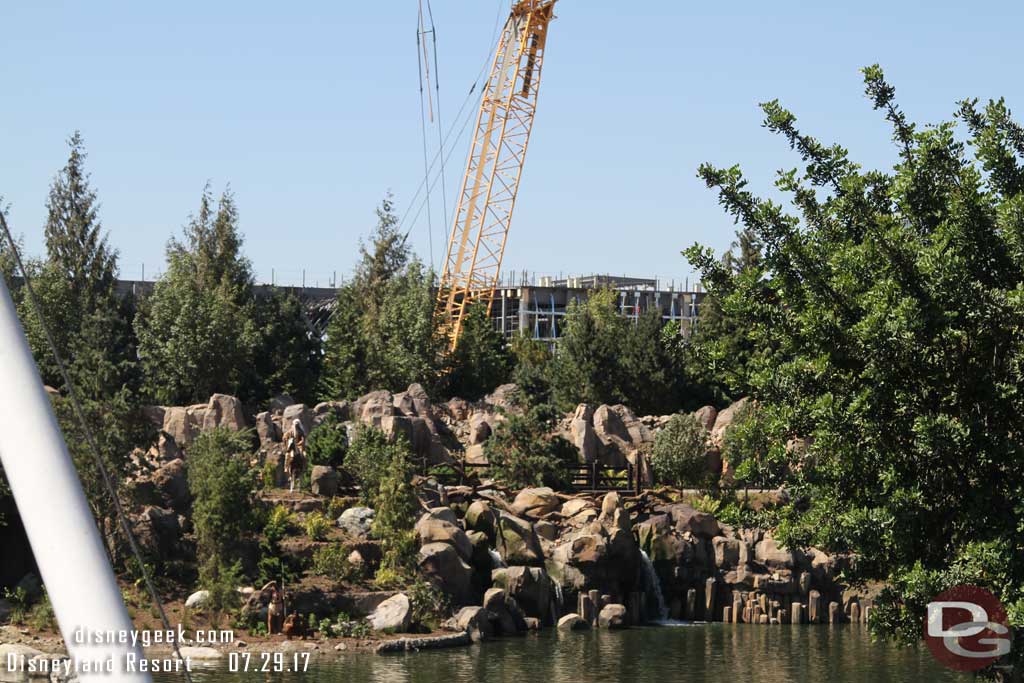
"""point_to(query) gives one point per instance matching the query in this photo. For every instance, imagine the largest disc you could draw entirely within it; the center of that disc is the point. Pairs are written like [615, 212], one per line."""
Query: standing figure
[275, 611]
[295, 452]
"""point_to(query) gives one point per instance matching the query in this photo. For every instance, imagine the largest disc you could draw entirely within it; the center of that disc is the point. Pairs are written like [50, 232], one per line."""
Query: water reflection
[716, 652]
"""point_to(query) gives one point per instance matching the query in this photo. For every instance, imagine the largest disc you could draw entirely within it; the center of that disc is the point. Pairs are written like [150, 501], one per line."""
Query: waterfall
[496, 561]
[559, 597]
[652, 588]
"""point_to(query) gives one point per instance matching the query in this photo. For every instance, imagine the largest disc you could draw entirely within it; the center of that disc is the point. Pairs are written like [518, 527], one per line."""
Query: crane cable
[458, 117]
[421, 57]
[90, 437]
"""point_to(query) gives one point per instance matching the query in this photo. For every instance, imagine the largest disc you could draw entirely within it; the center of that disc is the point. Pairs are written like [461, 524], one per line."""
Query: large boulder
[729, 552]
[613, 616]
[447, 571]
[373, 407]
[768, 553]
[696, 522]
[413, 402]
[178, 424]
[393, 615]
[266, 429]
[582, 434]
[517, 542]
[531, 588]
[536, 502]
[298, 412]
[171, 484]
[480, 428]
[198, 600]
[480, 517]
[508, 616]
[505, 397]
[323, 481]
[224, 411]
[476, 621]
[435, 527]
[356, 521]
[572, 622]
[724, 420]
[706, 416]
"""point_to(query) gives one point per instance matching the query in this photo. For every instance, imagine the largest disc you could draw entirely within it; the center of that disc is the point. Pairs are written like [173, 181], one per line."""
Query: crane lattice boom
[495, 166]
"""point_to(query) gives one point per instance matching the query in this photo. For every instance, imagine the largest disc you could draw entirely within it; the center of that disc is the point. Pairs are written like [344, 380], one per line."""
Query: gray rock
[356, 521]
[393, 615]
[476, 621]
[613, 616]
[323, 481]
[572, 622]
[198, 599]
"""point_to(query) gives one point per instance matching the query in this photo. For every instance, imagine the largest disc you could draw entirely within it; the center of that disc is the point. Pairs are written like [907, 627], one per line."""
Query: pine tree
[196, 331]
[481, 361]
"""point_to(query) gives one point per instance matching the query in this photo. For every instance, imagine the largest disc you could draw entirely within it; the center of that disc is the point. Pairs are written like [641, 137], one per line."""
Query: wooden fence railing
[592, 478]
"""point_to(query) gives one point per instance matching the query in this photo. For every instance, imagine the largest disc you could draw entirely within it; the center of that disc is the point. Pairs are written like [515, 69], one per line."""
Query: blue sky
[310, 110]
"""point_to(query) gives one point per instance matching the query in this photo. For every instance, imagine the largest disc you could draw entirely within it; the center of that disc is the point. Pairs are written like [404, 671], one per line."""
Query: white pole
[60, 526]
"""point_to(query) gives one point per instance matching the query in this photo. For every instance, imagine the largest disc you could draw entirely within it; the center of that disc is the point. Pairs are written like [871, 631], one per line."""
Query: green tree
[287, 358]
[532, 369]
[523, 451]
[395, 507]
[679, 456]
[896, 306]
[221, 483]
[586, 366]
[381, 335]
[481, 361]
[197, 334]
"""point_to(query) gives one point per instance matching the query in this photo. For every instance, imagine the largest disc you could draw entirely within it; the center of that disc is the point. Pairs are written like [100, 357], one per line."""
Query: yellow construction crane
[495, 166]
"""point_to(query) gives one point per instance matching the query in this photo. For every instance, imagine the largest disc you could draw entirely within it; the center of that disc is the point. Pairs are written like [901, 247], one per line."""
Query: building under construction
[537, 308]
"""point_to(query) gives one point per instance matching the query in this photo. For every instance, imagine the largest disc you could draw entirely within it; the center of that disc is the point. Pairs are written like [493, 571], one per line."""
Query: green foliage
[332, 561]
[430, 606]
[317, 526]
[328, 443]
[679, 454]
[41, 616]
[758, 455]
[522, 452]
[382, 334]
[279, 522]
[196, 331]
[220, 482]
[604, 357]
[893, 301]
[222, 581]
[21, 603]
[344, 626]
[368, 458]
[287, 357]
[532, 369]
[481, 361]
[395, 508]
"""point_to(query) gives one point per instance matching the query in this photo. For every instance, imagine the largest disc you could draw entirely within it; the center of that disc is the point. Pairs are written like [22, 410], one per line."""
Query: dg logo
[966, 628]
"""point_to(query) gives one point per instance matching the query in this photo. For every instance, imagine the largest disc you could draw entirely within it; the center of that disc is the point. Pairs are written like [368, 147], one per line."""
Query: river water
[715, 652]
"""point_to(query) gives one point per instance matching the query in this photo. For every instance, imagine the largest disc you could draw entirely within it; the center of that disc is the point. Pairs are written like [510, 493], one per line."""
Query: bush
[220, 482]
[678, 457]
[395, 514]
[368, 458]
[317, 526]
[749, 447]
[332, 561]
[279, 523]
[222, 580]
[328, 443]
[430, 606]
[522, 453]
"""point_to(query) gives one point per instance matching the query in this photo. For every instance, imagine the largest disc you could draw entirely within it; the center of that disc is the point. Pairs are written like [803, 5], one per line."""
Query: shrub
[678, 457]
[522, 453]
[368, 458]
[317, 526]
[20, 602]
[279, 522]
[222, 581]
[344, 626]
[220, 482]
[430, 606]
[395, 514]
[328, 443]
[748, 445]
[332, 561]
[338, 505]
